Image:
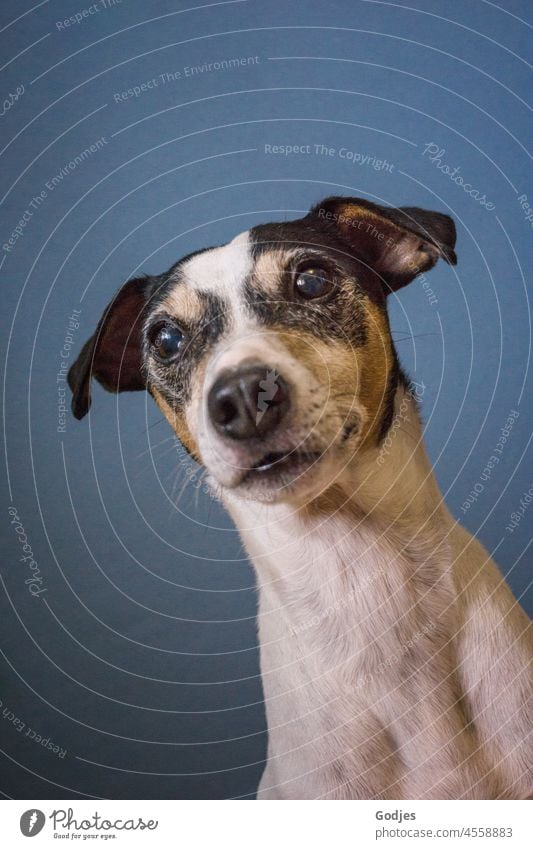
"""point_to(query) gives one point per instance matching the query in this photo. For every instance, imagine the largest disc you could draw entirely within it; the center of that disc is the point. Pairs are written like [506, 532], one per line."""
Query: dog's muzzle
[247, 403]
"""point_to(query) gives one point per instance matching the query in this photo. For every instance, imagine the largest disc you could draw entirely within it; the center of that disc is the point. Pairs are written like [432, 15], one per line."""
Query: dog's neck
[380, 533]
[344, 584]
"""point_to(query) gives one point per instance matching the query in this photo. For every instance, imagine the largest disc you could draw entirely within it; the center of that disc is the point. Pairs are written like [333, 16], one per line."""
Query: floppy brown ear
[113, 354]
[398, 243]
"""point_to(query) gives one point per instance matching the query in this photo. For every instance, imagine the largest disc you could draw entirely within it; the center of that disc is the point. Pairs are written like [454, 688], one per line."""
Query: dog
[394, 658]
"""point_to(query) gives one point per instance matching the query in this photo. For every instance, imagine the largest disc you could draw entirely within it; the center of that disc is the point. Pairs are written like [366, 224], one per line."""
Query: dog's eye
[313, 283]
[165, 341]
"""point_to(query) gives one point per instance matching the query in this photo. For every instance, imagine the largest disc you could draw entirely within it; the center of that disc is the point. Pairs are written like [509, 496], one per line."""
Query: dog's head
[271, 356]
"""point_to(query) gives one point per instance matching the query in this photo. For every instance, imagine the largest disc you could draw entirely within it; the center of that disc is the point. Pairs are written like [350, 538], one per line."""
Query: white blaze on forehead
[222, 272]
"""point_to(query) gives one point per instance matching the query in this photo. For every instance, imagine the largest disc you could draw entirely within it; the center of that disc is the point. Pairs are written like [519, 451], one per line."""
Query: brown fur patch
[375, 360]
[177, 421]
[183, 303]
[363, 370]
[268, 269]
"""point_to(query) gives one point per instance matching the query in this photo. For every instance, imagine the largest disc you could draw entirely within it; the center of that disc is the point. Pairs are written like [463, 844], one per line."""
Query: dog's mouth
[280, 467]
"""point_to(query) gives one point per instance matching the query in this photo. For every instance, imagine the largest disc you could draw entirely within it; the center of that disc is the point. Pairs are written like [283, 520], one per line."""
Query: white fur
[344, 593]
[222, 272]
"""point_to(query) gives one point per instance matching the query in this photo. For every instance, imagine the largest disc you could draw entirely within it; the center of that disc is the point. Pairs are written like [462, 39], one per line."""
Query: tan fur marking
[375, 360]
[178, 424]
[365, 369]
[183, 303]
[268, 271]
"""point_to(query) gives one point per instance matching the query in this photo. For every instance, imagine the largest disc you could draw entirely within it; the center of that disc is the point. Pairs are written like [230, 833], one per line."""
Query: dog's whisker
[152, 448]
[162, 420]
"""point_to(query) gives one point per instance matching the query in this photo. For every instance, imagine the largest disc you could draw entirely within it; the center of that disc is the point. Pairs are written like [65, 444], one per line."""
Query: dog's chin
[279, 476]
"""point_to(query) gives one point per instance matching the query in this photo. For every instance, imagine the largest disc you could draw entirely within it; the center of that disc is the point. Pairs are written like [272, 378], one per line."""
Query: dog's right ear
[113, 354]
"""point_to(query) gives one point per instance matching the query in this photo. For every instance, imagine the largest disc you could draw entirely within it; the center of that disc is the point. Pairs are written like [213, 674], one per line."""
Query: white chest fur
[361, 633]
[342, 613]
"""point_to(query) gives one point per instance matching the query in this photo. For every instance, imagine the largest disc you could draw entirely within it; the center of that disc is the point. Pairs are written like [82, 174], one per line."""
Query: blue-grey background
[140, 659]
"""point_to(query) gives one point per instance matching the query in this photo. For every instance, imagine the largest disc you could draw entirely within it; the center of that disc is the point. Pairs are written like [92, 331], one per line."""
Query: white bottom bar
[267, 825]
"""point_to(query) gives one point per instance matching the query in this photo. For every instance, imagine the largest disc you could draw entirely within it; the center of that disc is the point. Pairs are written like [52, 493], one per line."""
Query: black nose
[248, 402]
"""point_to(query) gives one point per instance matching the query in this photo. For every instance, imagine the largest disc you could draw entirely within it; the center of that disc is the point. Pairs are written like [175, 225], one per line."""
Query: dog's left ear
[113, 354]
[398, 243]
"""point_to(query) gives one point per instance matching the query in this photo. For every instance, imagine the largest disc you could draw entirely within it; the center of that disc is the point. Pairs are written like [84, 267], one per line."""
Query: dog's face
[271, 356]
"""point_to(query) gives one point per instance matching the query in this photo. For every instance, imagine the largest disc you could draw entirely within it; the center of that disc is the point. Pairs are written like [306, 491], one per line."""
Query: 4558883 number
[487, 831]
